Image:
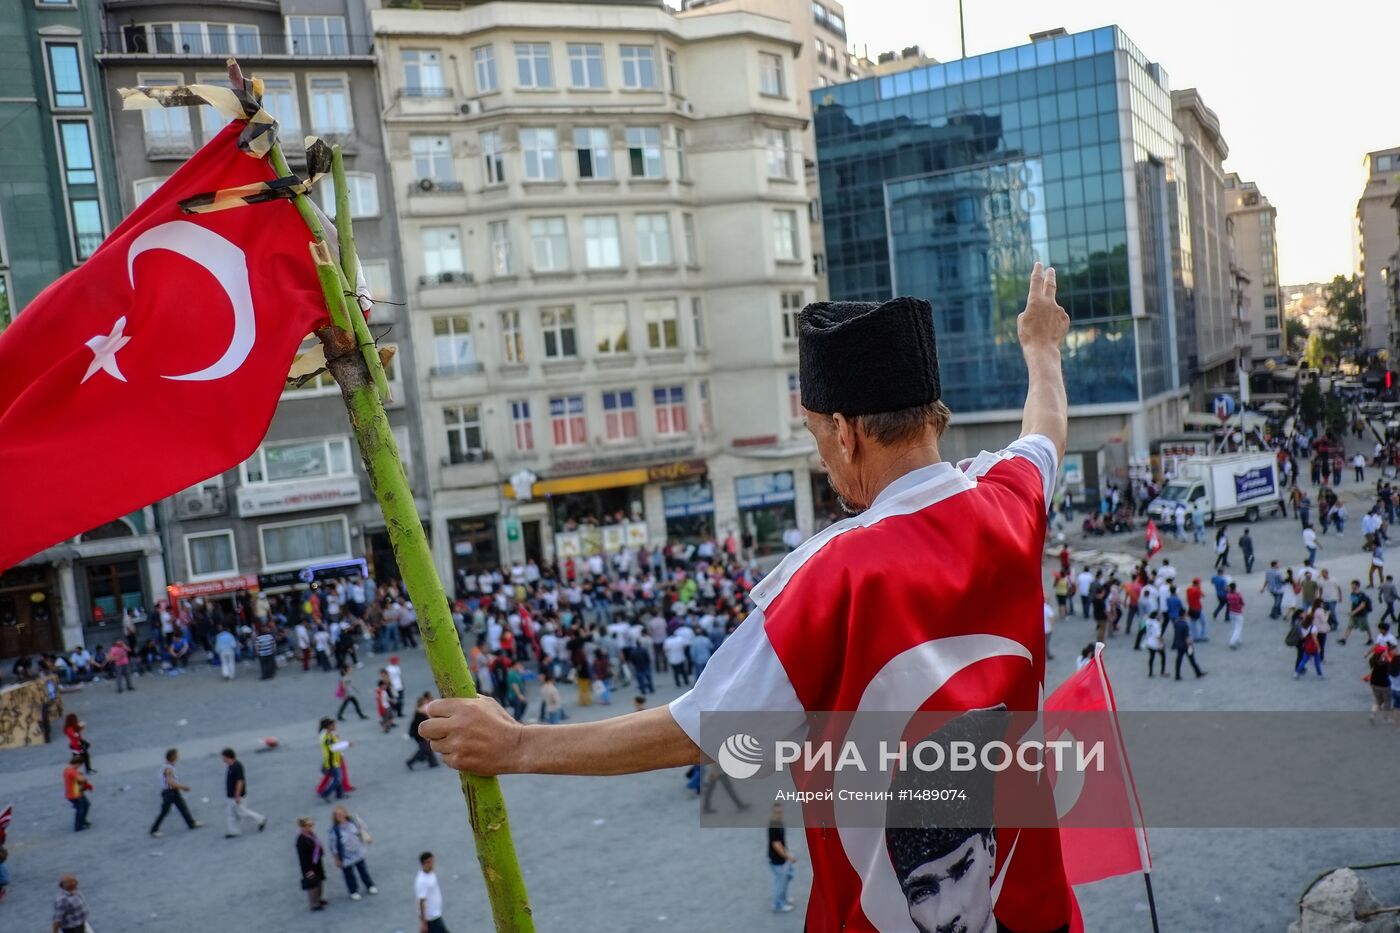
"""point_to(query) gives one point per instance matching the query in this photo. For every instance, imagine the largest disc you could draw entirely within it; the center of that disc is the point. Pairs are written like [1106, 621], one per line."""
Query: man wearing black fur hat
[883, 610]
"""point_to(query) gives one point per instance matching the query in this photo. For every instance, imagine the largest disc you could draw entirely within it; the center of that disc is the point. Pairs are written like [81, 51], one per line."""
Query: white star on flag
[104, 351]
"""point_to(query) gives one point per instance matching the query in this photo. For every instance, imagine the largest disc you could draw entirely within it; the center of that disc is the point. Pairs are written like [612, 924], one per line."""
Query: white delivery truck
[1227, 486]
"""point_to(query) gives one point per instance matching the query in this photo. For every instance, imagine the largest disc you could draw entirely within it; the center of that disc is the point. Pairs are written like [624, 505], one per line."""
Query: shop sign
[293, 497]
[764, 489]
[247, 581]
[512, 528]
[687, 499]
[308, 575]
[568, 544]
[680, 469]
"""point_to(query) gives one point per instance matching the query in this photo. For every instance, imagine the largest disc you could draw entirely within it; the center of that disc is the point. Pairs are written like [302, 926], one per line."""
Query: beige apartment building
[1222, 336]
[603, 215]
[819, 26]
[1252, 221]
[1377, 240]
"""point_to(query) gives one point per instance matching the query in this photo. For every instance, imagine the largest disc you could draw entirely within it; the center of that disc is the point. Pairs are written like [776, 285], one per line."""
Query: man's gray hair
[888, 428]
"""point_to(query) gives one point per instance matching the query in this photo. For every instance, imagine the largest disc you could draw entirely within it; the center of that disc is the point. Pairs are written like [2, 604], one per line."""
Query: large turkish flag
[156, 364]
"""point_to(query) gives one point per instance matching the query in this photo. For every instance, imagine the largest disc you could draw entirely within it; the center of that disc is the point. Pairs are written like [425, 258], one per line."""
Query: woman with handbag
[346, 694]
[310, 853]
[1309, 644]
[349, 838]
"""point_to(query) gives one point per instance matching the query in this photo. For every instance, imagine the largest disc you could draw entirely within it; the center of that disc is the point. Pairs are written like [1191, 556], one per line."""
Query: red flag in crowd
[1154, 540]
[156, 364]
[1106, 837]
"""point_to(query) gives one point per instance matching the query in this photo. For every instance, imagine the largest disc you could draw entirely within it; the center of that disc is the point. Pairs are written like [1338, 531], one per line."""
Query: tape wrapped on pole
[318, 165]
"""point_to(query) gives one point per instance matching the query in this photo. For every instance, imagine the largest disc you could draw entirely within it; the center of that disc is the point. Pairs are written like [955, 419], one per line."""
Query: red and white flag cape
[156, 364]
[1154, 540]
[1102, 832]
[928, 601]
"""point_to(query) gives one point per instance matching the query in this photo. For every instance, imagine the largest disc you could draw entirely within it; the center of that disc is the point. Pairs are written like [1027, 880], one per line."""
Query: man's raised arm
[1041, 329]
[478, 736]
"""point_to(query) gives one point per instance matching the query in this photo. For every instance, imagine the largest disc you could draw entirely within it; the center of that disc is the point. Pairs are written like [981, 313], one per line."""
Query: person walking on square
[349, 840]
[1273, 585]
[1310, 544]
[75, 788]
[428, 894]
[345, 692]
[80, 747]
[1359, 463]
[1156, 650]
[1222, 549]
[1183, 646]
[425, 752]
[384, 702]
[332, 763]
[395, 673]
[120, 658]
[226, 647]
[311, 856]
[70, 909]
[1377, 568]
[1221, 583]
[1309, 641]
[236, 790]
[1389, 594]
[1234, 603]
[303, 643]
[266, 646]
[1379, 663]
[172, 794]
[780, 861]
[1360, 615]
[1247, 551]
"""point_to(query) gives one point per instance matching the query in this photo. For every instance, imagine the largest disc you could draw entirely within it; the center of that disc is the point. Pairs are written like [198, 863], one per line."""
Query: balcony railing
[445, 278]
[423, 91]
[194, 40]
[458, 369]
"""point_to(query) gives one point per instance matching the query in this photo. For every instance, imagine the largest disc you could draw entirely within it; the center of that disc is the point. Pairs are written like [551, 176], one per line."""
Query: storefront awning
[662, 472]
[212, 587]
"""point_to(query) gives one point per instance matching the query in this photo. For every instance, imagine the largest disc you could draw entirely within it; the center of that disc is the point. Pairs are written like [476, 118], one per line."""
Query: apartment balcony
[436, 197]
[479, 469]
[420, 101]
[462, 380]
[216, 42]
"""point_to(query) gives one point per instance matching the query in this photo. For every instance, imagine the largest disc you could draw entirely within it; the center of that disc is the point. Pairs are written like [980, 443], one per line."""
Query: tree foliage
[1310, 403]
[1335, 414]
[1295, 335]
[1346, 328]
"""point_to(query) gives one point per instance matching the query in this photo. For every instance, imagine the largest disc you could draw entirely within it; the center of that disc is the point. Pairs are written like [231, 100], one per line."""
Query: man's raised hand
[1044, 323]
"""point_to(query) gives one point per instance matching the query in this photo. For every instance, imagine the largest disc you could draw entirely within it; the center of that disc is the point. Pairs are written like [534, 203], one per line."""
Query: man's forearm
[1047, 408]
[621, 745]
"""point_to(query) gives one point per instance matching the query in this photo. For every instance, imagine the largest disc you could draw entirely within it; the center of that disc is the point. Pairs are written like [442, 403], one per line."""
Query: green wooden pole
[360, 376]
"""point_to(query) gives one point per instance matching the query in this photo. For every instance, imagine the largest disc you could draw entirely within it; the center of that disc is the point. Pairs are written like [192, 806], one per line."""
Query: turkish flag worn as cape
[156, 364]
[1101, 825]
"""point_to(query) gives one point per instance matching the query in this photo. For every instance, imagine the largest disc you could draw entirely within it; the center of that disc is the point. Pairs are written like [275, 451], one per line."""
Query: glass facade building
[948, 181]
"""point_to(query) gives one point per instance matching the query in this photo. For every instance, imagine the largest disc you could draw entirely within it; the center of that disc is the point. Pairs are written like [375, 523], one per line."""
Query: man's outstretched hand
[1044, 323]
[474, 735]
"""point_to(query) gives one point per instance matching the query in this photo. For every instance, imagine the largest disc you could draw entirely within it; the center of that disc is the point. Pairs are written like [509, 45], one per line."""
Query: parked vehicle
[1227, 485]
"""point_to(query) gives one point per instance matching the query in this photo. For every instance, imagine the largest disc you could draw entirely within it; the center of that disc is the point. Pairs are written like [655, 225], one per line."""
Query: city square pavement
[607, 854]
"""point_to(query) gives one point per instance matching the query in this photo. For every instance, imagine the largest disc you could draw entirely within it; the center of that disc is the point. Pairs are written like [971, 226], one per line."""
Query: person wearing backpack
[1360, 614]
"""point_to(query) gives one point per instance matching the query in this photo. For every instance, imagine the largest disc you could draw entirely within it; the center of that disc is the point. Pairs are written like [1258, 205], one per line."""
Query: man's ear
[846, 435]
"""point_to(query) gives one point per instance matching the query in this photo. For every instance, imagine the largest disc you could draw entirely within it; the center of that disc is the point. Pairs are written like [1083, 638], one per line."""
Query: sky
[1303, 91]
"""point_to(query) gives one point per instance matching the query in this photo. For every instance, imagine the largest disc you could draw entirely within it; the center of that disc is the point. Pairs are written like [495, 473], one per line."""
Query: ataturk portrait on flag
[884, 611]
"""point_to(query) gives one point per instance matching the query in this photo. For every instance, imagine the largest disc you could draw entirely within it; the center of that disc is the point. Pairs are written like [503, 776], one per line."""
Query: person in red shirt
[1194, 597]
[73, 728]
[120, 659]
[75, 788]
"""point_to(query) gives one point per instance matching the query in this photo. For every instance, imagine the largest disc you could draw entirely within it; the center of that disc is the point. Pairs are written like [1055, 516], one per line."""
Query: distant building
[1377, 240]
[300, 508]
[1222, 339]
[58, 200]
[1253, 222]
[605, 237]
[949, 180]
[819, 26]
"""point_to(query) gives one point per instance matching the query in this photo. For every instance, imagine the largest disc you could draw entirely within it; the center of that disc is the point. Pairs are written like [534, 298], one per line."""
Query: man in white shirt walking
[429, 896]
[1310, 543]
